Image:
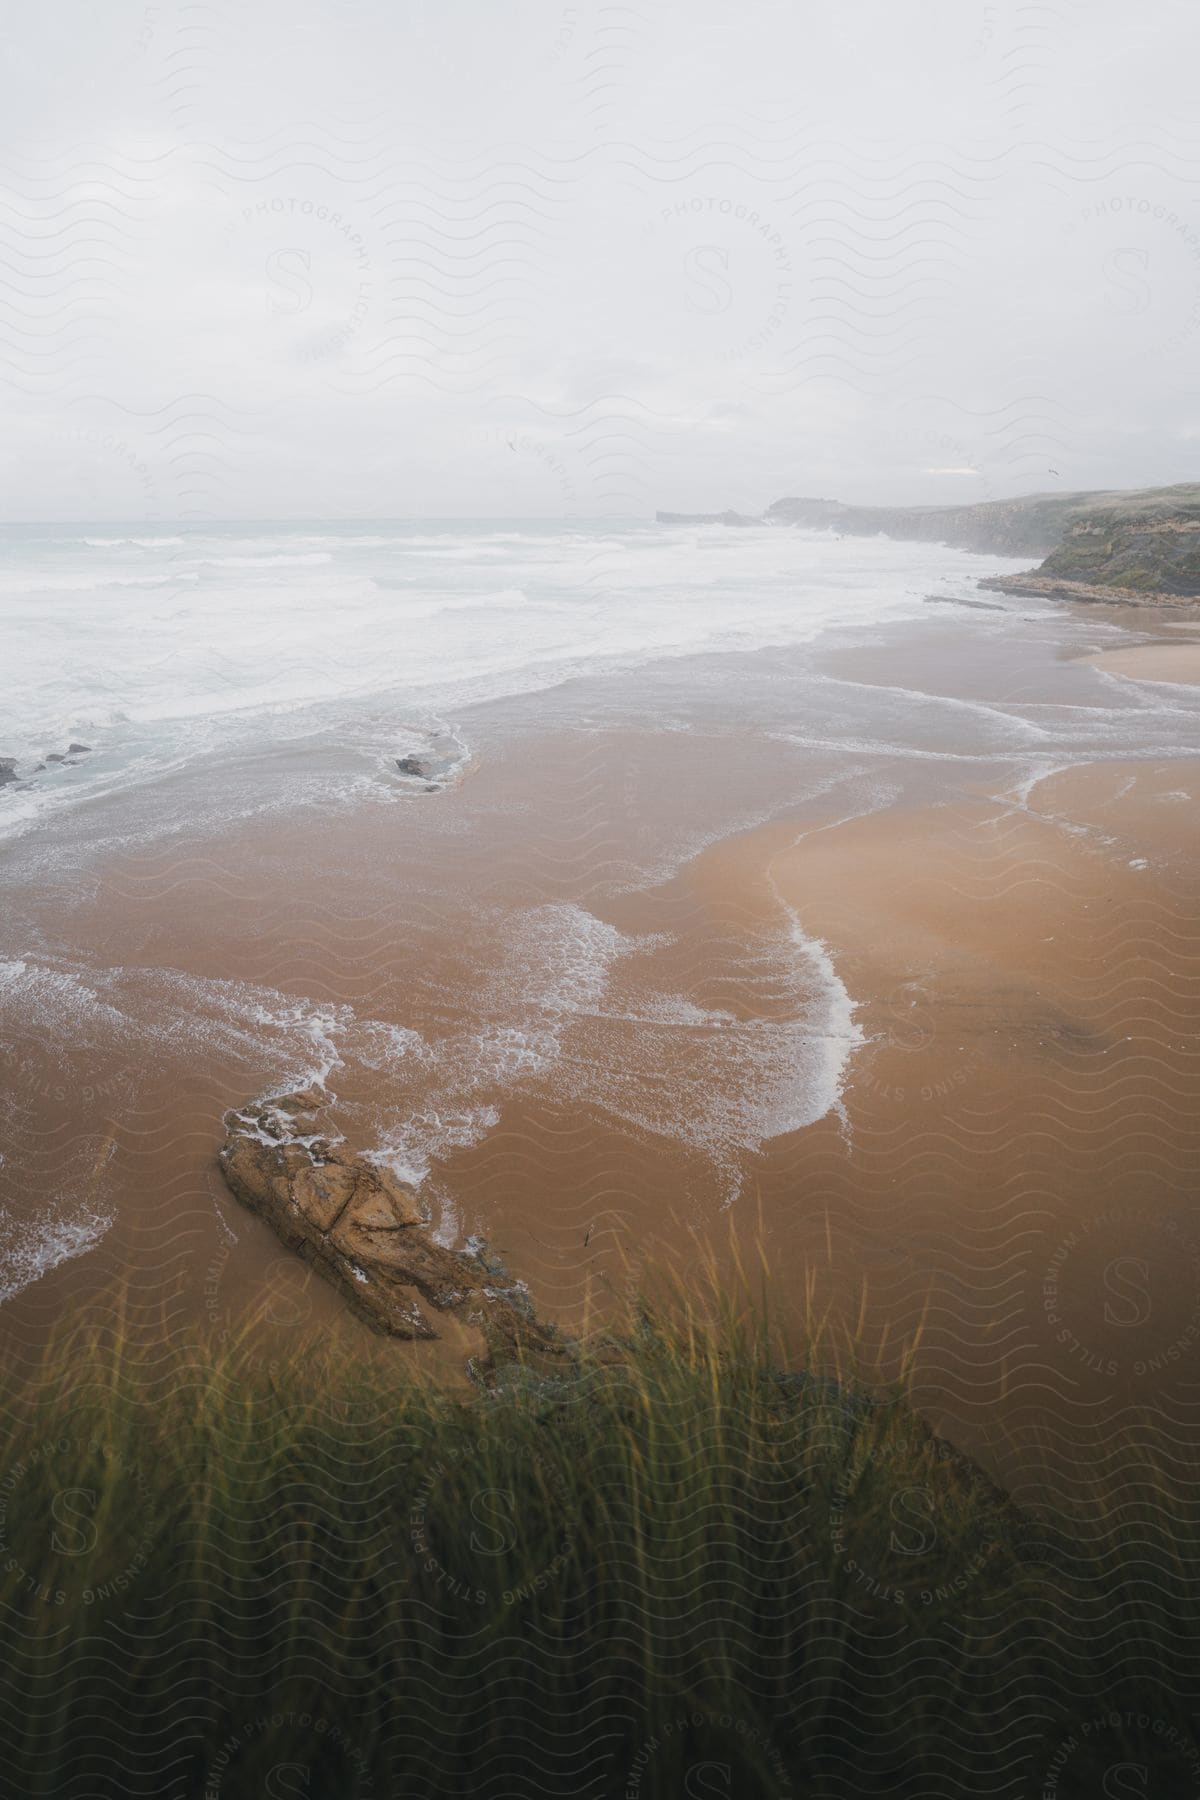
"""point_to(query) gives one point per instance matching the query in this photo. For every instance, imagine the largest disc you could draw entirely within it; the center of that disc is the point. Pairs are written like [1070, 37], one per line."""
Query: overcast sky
[347, 258]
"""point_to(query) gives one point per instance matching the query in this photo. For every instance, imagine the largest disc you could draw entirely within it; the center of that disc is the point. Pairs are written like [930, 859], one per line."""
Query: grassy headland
[1137, 546]
[674, 1569]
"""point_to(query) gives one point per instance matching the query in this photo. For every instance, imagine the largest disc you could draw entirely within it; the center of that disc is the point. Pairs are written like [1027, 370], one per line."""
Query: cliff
[1134, 546]
[1140, 543]
[1032, 525]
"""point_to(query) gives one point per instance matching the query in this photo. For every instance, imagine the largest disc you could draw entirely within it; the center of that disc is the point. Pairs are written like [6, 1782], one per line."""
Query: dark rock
[434, 770]
[54, 757]
[360, 1226]
[8, 769]
[78, 749]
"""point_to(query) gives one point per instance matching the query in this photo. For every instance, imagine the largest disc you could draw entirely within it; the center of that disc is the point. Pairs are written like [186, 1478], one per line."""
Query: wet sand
[1014, 1183]
[1153, 662]
[1008, 1182]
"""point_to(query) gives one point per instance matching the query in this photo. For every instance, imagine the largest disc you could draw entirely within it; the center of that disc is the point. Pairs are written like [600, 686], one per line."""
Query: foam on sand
[30, 1248]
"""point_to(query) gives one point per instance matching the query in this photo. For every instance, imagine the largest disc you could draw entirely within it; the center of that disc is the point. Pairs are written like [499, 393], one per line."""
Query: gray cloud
[281, 261]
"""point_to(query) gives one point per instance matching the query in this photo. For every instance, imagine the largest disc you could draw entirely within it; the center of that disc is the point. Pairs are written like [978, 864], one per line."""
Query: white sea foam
[306, 559]
[278, 640]
[580, 1023]
[283, 621]
[30, 1248]
[139, 543]
[296, 1039]
[65, 1002]
[410, 1146]
[721, 1083]
[553, 970]
[93, 581]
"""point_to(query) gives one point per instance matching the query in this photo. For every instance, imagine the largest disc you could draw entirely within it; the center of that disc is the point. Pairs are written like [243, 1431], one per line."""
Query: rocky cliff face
[1151, 546]
[1030, 526]
[1114, 545]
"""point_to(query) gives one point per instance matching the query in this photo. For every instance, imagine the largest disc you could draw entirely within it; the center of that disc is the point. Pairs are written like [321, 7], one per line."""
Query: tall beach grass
[684, 1566]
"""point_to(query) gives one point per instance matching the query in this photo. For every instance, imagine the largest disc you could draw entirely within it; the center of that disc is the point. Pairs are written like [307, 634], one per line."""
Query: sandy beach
[1013, 1180]
[890, 992]
[1153, 662]
[600, 902]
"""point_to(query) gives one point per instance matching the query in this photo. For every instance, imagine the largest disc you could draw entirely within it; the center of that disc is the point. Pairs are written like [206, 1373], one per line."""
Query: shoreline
[1013, 1118]
[568, 990]
[1165, 662]
[1009, 1092]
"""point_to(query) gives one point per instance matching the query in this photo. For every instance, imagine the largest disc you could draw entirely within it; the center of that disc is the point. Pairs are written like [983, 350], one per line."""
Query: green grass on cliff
[683, 1572]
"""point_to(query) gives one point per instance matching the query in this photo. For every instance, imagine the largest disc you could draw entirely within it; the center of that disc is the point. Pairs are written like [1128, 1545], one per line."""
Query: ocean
[161, 647]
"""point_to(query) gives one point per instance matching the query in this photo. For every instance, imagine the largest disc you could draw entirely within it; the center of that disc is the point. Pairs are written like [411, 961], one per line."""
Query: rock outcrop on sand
[360, 1226]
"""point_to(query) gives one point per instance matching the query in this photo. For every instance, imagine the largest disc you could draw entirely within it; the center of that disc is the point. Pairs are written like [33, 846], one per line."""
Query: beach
[1154, 662]
[862, 946]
